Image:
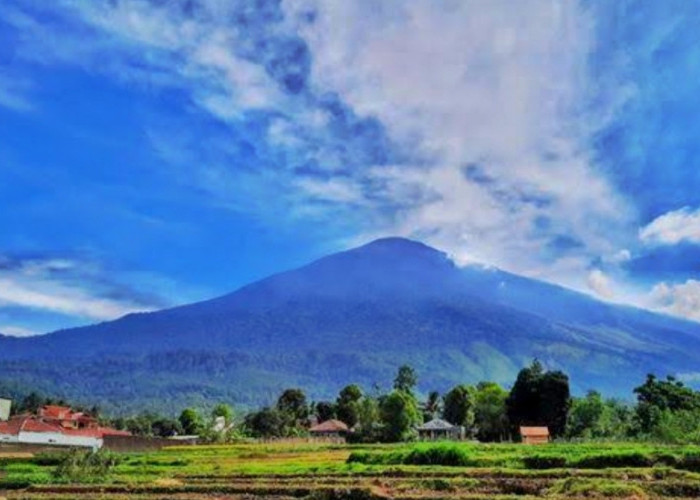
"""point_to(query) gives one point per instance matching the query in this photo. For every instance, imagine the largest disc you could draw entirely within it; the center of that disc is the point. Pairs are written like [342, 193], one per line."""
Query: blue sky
[158, 152]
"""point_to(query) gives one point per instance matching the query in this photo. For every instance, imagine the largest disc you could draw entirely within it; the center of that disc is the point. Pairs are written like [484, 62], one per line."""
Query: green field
[406, 471]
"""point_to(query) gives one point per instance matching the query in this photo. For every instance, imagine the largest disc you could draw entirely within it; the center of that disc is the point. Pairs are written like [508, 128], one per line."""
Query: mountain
[354, 316]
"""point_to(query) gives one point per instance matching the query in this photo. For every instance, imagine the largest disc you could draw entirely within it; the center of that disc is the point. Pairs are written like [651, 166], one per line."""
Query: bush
[437, 455]
[86, 466]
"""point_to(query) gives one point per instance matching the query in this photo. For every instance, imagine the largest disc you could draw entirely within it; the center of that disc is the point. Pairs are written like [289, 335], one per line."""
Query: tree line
[665, 410]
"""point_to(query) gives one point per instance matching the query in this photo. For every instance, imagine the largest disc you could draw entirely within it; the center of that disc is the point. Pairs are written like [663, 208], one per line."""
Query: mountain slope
[354, 317]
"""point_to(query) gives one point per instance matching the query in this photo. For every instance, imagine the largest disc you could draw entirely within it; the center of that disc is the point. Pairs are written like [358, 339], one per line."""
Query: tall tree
[459, 406]
[432, 406]
[586, 416]
[656, 396]
[490, 418]
[293, 408]
[191, 421]
[223, 410]
[399, 414]
[539, 398]
[266, 423]
[325, 410]
[406, 379]
[346, 404]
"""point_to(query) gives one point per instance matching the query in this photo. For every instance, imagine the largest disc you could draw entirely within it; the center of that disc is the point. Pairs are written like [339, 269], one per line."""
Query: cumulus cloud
[681, 299]
[600, 283]
[672, 228]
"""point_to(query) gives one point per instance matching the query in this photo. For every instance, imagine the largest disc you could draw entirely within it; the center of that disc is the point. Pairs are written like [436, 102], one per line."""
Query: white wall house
[59, 439]
[9, 438]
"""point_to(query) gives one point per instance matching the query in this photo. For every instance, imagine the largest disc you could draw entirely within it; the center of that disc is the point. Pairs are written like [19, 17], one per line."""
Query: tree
[490, 418]
[346, 404]
[223, 410]
[656, 396]
[555, 400]
[406, 379]
[31, 403]
[617, 420]
[368, 418]
[586, 416]
[191, 421]
[165, 427]
[325, 410]
[459, 406]
[539, 398]
[266, 423]
[293, 409]
[399, 415]
[432, 406]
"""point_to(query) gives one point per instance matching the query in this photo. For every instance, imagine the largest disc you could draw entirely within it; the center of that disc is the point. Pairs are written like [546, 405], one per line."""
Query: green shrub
[86, 466]
[437, 455]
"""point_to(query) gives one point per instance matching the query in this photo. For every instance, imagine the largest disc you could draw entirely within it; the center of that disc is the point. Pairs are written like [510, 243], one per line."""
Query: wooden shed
[534, 435]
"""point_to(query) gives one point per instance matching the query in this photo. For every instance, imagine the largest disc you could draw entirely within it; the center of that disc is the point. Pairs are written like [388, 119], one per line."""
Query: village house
[534, 435]
[56, 425]
[330, 429]
[438, 429]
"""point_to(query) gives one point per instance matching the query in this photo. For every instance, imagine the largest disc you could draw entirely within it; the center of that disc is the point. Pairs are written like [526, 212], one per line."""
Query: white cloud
[620, 256]
[672, 228]
[681, 299]
[600, 283]
[487, 84]
[17, 331]
[498, 86]
[62, 299]
[66, 287]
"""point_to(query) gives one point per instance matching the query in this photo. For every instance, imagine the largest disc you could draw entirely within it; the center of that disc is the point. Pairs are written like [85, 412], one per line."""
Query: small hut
[438, 429]
[534, 435]
[329, 429]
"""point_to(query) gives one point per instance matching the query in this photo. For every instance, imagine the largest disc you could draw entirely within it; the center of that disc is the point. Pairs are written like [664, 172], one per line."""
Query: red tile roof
[54, 411]
[330, 426]
[31, 423]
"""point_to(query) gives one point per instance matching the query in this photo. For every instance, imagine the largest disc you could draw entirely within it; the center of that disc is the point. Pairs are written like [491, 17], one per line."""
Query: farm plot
[335, 472]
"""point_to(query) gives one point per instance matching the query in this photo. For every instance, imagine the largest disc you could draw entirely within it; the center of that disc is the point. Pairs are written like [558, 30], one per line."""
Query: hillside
[353, 317]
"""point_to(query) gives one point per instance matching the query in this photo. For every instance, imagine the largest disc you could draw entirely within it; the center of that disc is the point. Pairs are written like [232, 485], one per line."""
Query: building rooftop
[330, 426]
[534, 431]
[436, 424]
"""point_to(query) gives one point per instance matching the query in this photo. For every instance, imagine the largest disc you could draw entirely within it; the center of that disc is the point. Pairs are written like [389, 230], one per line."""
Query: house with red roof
[56, 425]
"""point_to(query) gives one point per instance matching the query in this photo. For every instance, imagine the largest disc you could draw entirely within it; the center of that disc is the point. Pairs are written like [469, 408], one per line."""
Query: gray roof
[437, 424]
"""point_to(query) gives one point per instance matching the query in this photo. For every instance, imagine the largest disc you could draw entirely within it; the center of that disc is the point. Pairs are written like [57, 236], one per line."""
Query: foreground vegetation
[361, 472]
[666, 411]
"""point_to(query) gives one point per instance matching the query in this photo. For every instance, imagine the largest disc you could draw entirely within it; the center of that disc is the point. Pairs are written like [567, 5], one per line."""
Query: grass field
[364, 472]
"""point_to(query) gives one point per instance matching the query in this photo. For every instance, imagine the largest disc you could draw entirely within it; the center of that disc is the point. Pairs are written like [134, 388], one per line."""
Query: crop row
[458, 456]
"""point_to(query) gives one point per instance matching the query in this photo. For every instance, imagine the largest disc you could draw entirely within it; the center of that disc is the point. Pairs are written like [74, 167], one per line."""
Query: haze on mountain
[353, 317]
